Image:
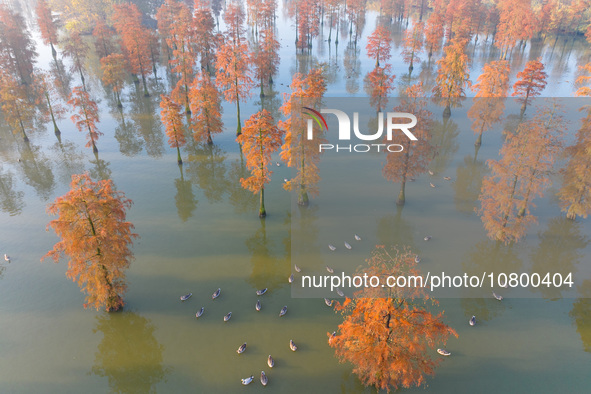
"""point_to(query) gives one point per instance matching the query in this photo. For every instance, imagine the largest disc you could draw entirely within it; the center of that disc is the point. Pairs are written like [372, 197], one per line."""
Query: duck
[198, 314]
[427, 238]
[241, 349]
[431, 184]
[216, 294]
[290, 278]
[264, 378]
[186, 297]
[258, 305]
[417, 259]
[298, 269]
[431, 173]
[332, 248]
[357, 237]
[261, 292]
[228, 316]
[447, 178]
[278, 164]
[247, 381]
[328, 302]
[347, 245]
[473, 320]
[285, 180]
[283, 311]
[497, 296]
[270, 361]
[330, 270]
[7, 257]
[443, 352]
[340, 292]
[292, 345]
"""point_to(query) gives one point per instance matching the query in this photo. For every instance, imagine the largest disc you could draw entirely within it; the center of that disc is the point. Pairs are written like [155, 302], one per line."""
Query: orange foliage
[17, 109]
[584, 79]
[95, 237]
[113, 67]
[387, 333]
[77, 50]
[413, 44]
[378, 85]
[173, 124]
[453, 74]
[17, 49]
[298, 151]
[184, 57]
[86, 116]
[204, 39]
[434, 32]
[517, 22]
[103, 36]
[522, 173]
[266, 58]
[46, 24]
[379, 45]
[414, 159]
[206, 108]
[530, 82]
[260, 138]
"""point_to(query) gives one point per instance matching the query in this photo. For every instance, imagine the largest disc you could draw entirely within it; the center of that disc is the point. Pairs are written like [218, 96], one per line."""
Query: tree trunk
[401, 196]
[262, 211]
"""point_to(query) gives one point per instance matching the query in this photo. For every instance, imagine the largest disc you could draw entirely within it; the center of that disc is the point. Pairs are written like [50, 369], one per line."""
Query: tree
[77, 50]
[414, 159]
[259, 139]
[135, 40]
[233, 74]
[379, 45]
[378, 85]
[522, 173]
[17, 49]
[206, 108]
[103, 39]
[183, 59]
[204, 38]
[453, 75]
[530, 82]
[516, 23]
[266, 58]
[113, 67]
[489, 102]
[298, 151]
[165, 18]
[575, 194]
[388, 333]
[46, 25]
[86, 116]
[47, 88]
[413, 44]
[583, 80]
[96, 238]
[434, 32]
[17, 109]
[173, 124]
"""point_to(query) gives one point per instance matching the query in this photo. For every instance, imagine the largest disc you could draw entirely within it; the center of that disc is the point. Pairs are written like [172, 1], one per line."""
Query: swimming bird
[247, 381]
[331, 247]
[328, 302]
[216, 294]
[290, 278]
[258, 305]
[447, 178]
[285, 180]
[431, 173]
[198, 314]
[283, 311]
[347, 245]
[228, 316]
[428, 237]
[264, 378]
[186, 297]
[443, 352]
[278, 164]
[357, 237]
[261, 292]
[473, 320]
[270, 361]
[498, 297]
[241, 349]
[7, 257]
[330, 270]
[417, 259]
[298, 269]
[431, 184]
[292, 346]
[340, 292]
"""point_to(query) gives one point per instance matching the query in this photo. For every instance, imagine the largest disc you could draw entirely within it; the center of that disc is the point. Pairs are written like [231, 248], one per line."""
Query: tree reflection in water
[581, 314]
[128, 355]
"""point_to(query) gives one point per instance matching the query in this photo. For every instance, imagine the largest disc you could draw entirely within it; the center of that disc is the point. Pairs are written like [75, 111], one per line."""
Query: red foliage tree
[413, 44]
[388, 333]
[86, 116]
[204, 37]
[103, 39]
[516, 22]
[530, 82]
[379, 45]
[266, 58]
[173, 124]
[378, 85]
[259, 139]
[46, 25]
[183, 54]
[17, 109]
[453, 75]
[113, 67]
[206, 108]
[96, 238]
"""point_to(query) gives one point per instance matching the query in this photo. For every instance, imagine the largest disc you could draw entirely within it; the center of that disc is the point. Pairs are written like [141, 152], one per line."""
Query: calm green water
[199, 231]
